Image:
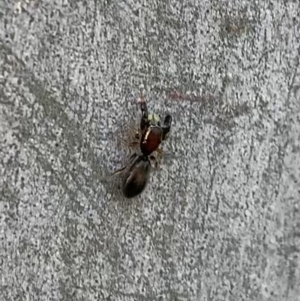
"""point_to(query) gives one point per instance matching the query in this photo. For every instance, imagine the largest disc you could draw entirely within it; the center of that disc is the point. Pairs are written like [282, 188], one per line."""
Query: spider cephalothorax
[152, 133]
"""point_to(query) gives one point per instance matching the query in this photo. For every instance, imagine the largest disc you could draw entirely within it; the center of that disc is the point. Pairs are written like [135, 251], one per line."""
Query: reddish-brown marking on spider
[151, 140]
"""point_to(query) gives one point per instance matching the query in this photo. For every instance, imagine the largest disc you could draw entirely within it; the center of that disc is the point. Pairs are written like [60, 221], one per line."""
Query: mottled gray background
[219, 219]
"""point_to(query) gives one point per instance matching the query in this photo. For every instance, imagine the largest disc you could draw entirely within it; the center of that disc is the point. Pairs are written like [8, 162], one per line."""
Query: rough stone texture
[219, 219]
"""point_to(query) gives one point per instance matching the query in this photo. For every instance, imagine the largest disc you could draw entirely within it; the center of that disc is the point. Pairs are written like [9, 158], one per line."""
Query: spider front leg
[167, 126]
[144, 124]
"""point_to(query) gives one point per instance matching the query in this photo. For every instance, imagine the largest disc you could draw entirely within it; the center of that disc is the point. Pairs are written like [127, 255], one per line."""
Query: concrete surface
[219, 219]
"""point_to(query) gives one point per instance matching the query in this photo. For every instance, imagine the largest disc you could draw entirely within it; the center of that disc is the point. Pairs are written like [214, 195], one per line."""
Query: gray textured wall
[219, 219]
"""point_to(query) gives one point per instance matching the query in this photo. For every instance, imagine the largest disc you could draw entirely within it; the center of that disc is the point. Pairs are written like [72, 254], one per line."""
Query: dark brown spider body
[136, 172]
[136, 176]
